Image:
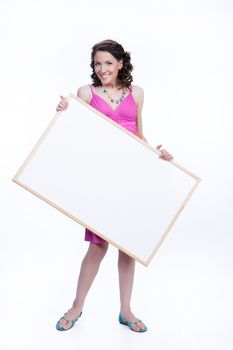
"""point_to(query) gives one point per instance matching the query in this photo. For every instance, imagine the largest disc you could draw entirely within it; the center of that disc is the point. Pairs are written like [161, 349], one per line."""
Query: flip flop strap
[139, 321]
[72, 321]
[76, 319]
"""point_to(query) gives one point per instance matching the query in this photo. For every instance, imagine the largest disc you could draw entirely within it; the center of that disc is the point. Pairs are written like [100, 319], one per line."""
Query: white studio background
[182, 53]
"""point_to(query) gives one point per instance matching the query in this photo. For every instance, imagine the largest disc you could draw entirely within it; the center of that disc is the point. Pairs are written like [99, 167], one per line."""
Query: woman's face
[106, 67]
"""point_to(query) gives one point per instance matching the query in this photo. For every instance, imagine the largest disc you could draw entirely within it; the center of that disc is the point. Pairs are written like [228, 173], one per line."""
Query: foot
[129, 317]
[71, 314]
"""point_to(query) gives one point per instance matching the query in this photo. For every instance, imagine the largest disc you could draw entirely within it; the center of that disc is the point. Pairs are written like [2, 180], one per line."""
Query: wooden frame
[107, 179]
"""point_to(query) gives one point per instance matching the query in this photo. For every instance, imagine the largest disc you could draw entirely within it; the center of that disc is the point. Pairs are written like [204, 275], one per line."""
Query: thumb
[63, 97]
[158, 147]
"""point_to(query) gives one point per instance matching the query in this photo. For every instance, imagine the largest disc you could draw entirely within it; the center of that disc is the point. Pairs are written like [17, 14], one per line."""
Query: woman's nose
[102, 69]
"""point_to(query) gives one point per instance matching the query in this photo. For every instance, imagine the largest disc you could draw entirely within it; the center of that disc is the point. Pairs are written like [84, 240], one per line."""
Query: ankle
[77, 306]
[126, 311]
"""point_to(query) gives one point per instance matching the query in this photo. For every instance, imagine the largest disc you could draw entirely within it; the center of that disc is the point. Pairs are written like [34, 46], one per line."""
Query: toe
[141, 325]
[64, 324]
[135, 327]
[68, 325]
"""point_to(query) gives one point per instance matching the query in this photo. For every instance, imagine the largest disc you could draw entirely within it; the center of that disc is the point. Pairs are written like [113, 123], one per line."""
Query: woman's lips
[105, 76]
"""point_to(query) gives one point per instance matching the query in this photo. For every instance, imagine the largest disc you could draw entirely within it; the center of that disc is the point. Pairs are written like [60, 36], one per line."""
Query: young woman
[112, 93]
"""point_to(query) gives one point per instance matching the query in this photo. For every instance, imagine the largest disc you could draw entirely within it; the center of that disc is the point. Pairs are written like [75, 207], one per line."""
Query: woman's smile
[104, 76]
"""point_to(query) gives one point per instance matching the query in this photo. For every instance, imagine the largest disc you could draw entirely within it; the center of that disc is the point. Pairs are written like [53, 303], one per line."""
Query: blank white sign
[107, 179]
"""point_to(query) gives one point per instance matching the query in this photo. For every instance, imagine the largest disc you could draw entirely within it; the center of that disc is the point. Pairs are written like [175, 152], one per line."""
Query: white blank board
[107, 179]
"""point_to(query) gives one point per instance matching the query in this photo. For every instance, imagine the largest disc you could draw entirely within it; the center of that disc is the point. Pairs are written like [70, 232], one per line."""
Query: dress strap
[90, 90]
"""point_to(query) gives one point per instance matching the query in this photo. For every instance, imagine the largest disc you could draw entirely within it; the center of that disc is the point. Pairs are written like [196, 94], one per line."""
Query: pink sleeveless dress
[125, 114]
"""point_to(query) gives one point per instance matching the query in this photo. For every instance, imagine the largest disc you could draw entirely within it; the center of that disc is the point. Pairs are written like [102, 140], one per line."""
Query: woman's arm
[139, 97]
[84, 93]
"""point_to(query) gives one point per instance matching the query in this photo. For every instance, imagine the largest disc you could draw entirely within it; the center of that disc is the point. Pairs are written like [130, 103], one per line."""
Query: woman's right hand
[63, 104]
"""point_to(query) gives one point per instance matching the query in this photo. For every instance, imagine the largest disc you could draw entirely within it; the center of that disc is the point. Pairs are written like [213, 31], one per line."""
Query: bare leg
[89, 268]
[126, 267]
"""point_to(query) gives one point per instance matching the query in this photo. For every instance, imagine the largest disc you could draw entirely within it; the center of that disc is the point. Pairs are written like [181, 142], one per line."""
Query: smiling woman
[112, 94]
[117, 57]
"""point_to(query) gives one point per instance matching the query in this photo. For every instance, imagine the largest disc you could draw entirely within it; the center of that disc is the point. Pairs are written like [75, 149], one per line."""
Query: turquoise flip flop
[129, 324]
[72, 323]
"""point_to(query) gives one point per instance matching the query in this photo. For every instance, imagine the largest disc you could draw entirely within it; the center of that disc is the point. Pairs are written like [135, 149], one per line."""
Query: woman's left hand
[164, 154]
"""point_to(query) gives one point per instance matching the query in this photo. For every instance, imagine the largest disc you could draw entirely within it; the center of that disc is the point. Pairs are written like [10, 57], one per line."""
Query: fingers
[63, 104]
[164, 154]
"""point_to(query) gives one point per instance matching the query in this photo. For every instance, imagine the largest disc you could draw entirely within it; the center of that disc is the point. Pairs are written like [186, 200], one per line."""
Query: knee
[97, 251]
[125, 258]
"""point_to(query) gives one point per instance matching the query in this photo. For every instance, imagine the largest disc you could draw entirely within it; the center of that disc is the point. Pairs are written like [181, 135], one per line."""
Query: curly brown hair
[114, 48]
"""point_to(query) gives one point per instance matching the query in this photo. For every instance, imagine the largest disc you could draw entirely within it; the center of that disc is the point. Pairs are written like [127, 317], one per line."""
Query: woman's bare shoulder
[84, 93]
[138, 93]
[137, 89]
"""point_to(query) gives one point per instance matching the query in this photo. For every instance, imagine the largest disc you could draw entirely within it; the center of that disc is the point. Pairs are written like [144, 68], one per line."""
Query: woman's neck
[112, 86]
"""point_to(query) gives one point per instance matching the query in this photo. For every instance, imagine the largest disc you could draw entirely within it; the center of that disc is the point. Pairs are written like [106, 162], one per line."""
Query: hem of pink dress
[92, 237]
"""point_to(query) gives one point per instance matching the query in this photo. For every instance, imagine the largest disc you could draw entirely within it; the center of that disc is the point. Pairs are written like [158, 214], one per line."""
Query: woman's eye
[97, 63]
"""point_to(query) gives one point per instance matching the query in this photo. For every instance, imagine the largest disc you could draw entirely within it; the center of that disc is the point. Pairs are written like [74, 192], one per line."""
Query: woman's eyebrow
[104, 62]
